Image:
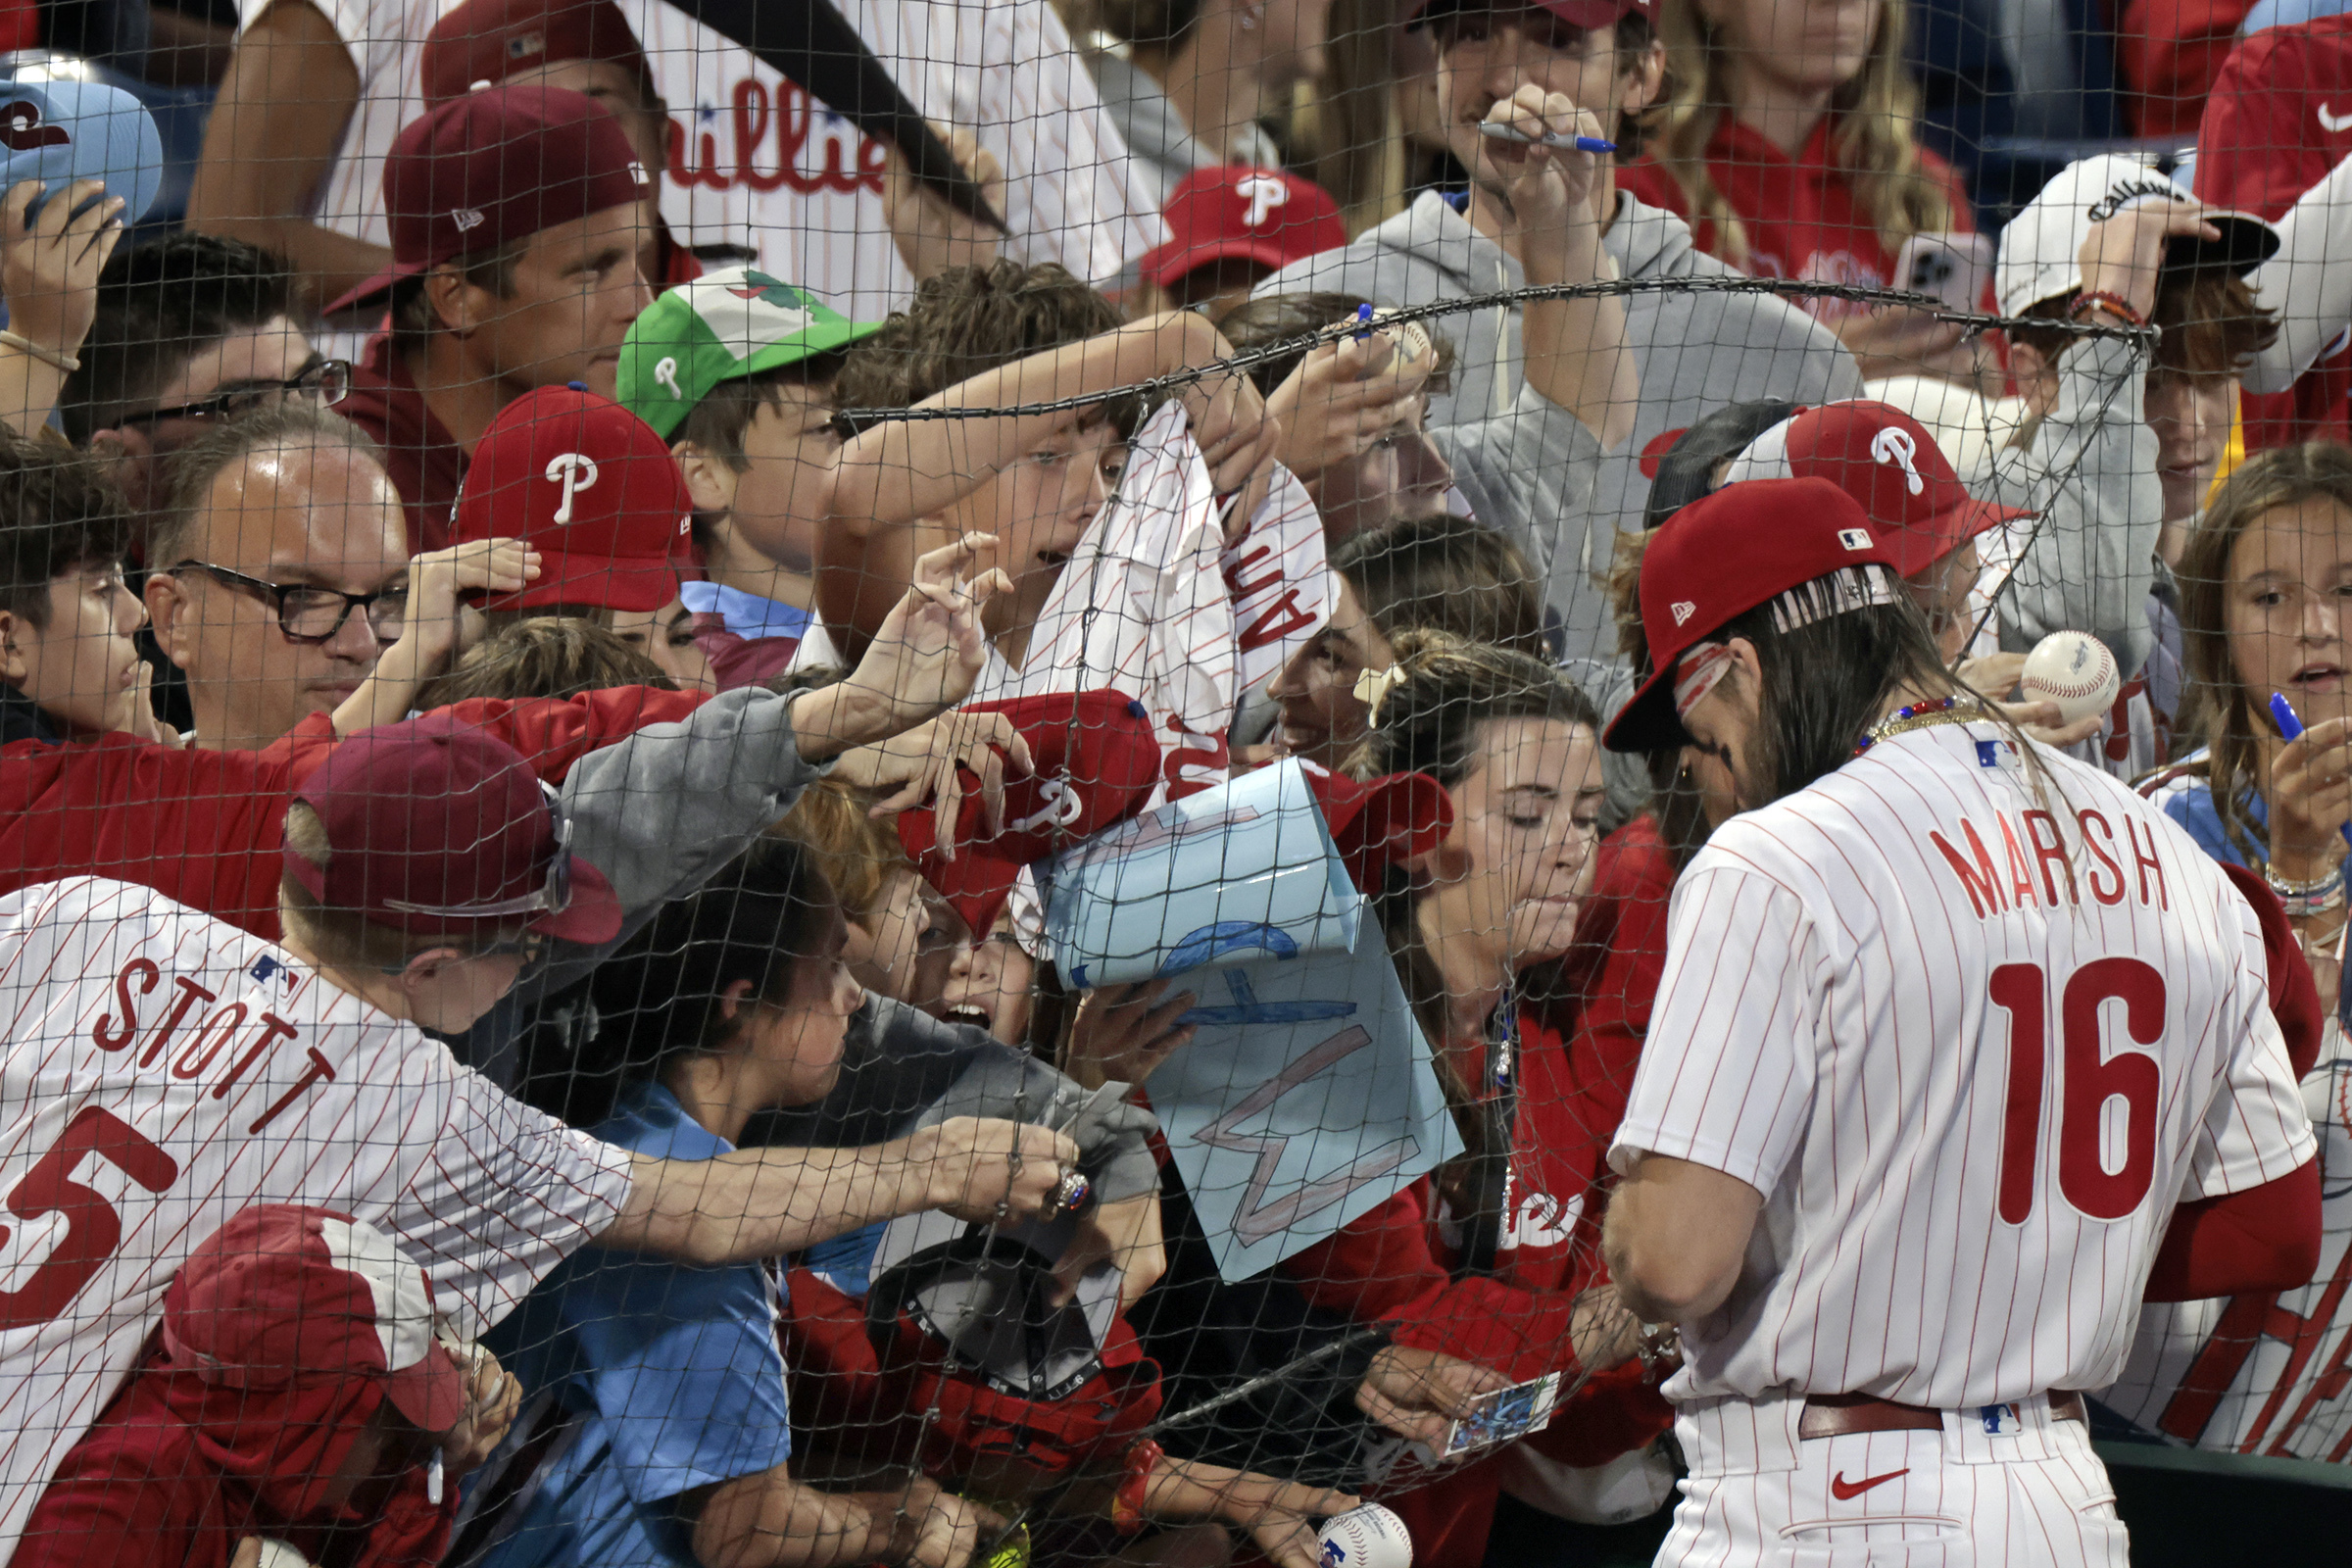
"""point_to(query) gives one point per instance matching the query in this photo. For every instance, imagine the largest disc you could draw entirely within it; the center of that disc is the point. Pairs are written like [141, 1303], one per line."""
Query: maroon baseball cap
[1590, 14]
[281, 1294]
[591, 488]
[1257, 215]
[487, 42]
[1095, 761]
[435, 825]
[1722, 556]
[1889, 464]
[496, 165]
[1381, 821]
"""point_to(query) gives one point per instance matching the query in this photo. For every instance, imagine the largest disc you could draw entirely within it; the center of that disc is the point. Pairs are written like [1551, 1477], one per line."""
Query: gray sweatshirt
[2090, 471]
[659, 813]
[1694, 353]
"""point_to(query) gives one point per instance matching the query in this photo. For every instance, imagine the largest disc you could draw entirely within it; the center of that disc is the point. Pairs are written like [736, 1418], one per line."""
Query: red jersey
[1575, 1068]
[2168, 53]
[423, 458]
[1800, 213]
[2279, 118]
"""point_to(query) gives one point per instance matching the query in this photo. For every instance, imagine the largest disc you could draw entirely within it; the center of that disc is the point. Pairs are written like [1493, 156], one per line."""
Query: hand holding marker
[1583, 144]
[2290, 728]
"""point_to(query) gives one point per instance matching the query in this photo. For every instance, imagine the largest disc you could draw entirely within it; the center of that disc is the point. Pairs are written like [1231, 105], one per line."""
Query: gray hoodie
[1694, 353]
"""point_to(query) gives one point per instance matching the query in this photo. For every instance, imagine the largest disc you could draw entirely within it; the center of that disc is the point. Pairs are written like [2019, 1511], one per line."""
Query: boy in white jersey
[1948, 1026]
[162, 1072]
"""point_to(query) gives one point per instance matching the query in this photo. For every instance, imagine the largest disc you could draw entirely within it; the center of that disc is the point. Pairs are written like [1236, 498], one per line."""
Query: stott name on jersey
[219, 1038]
[2034, 869]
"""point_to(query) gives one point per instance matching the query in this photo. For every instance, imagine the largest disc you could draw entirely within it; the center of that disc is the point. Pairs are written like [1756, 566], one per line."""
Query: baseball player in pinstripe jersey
[1958, 1044]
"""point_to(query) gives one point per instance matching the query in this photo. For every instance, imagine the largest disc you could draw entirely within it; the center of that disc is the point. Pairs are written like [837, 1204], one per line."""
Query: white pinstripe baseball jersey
[1972, 1040]
[756, 163]
[161, 1070]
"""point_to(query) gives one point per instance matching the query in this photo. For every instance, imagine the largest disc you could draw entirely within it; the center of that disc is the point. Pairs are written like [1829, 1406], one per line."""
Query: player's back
[1998, 1007]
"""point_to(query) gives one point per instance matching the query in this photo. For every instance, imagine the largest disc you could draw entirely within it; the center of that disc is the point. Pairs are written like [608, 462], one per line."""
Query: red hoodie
[176, 1472]
[203, 828]
[1397, 1263]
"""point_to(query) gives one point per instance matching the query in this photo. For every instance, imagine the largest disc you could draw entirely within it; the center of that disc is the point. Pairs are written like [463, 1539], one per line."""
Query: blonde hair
[855, 851]
[543, 656]
[1872, 142]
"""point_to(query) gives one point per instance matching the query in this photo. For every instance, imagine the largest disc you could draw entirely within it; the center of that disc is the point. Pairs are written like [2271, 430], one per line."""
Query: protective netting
[946, 782]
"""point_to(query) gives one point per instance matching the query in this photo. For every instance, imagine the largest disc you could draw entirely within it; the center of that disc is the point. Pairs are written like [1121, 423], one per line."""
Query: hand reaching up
[926, 656]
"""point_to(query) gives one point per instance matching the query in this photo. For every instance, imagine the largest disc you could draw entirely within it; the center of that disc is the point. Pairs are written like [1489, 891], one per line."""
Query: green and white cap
[733, 322]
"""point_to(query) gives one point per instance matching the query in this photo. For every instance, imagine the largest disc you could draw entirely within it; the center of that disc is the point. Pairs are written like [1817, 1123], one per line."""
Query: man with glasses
[189, 332]
[278, 571]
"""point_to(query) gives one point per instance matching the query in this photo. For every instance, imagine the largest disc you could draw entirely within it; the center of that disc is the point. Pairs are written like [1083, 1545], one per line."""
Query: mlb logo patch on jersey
[265, 965]
[2001, 1420]
[1997, 753]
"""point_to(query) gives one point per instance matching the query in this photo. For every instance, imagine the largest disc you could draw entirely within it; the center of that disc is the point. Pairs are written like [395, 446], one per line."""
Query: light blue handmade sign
[1241, 871]
[1305, 1099]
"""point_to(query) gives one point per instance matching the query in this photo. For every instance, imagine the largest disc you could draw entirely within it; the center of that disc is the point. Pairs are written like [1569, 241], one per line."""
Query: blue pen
[2290, 727]
[1363, 315]
[1583, 144]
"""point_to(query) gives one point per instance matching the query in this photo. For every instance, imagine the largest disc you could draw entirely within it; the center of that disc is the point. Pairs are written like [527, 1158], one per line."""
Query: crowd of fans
[621, 613]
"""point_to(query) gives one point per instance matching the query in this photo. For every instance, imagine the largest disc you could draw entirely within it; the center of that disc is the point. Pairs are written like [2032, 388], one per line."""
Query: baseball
[2073, 669]
[1369, 1537]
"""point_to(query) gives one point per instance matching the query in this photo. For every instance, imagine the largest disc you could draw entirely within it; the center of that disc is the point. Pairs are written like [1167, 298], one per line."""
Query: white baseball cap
[2043, 246]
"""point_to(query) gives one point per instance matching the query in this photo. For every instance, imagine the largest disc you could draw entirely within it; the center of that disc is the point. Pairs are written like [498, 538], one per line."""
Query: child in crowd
[599, 497]
[902, 937]
[299, 1393]
[1787, 144]
[1441, 573]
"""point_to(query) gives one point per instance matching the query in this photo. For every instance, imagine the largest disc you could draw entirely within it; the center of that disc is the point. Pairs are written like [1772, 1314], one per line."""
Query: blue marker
[1363, 317]
[1583, 144]
[2283, 714]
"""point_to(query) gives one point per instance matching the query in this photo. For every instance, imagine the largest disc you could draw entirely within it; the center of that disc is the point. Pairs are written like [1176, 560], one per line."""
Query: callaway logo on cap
[2043, 246]
[733, 322]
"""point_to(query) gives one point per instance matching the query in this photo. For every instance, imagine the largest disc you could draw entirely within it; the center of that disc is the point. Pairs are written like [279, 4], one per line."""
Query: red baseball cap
[1095, 763]
[281, 1294]
[434, 824]
[496, 165]
[591, 486]
[1260, 215]
[1722, 556]
[1380, 822]
[1889, 464]
[1590, 14]
[487, 42]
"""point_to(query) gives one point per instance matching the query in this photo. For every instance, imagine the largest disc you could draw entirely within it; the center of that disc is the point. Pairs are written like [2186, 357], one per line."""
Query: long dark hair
[762, 919]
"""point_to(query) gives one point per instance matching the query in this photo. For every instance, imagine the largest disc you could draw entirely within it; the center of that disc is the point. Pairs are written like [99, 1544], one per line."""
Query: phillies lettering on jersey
[160, 1071]
[1972, 1024]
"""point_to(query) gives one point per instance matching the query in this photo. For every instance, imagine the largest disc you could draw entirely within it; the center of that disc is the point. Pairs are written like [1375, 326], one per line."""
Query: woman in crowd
[1787, 145]
[1440, 572]
[2262, 611]
[1187, 82]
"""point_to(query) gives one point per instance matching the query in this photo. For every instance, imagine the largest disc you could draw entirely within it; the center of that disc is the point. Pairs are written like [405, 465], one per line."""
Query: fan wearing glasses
[188, 332]
[280, 572]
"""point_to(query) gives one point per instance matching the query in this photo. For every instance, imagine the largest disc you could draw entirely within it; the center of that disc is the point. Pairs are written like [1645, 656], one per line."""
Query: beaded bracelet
[2303, 899]
[2114, 303]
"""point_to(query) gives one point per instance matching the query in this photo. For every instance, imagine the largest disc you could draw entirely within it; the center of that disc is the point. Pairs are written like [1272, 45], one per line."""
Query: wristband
[49, 357]
[2114, 303]
[1127, 1503]
[2303, 899]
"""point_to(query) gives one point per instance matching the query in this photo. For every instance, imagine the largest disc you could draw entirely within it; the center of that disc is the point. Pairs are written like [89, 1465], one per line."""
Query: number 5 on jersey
[2088, 1078]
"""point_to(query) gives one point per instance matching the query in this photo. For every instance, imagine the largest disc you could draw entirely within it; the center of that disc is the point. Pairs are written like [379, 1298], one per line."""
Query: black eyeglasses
[307, 613]
[321, 381]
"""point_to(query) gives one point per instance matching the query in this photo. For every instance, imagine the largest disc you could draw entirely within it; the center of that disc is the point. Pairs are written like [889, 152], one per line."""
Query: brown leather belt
[1841, 1415]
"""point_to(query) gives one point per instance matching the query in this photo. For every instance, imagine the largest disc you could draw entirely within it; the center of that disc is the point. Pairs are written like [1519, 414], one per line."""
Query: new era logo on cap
[1683, 609]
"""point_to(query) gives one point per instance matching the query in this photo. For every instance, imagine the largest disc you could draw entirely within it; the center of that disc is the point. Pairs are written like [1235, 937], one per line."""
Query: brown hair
[60, 514]
[543, 656]
[413, 318]
[1444, 573]
[855, 851]
[2207, 317]
[345, 939]
[1872, 142]
[1674, 802]
[291, 425]
[970, 320]
[2217, 704]
[1630, 38]
[1273, 318]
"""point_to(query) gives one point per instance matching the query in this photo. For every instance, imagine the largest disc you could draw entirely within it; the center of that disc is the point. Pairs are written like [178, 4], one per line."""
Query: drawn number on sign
[2089, 1078]
[92, 1227]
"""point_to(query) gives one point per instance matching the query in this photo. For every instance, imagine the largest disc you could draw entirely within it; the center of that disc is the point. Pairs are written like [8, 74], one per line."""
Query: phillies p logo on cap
[62, 132]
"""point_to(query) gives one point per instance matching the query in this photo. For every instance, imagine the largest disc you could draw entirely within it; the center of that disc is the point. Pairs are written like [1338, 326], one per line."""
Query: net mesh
[824, 783]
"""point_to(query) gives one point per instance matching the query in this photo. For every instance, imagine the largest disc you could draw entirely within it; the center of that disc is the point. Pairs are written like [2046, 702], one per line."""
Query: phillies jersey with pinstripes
[1972, 1028]
[161, 1072]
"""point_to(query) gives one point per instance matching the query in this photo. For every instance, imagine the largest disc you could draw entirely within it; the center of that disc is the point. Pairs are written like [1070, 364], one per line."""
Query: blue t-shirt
[2188, 801]
[674, 1371]
[746, 614]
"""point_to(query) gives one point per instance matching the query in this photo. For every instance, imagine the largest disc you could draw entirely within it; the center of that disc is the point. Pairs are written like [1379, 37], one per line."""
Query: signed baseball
[1370, 1536]
[2073, 669]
